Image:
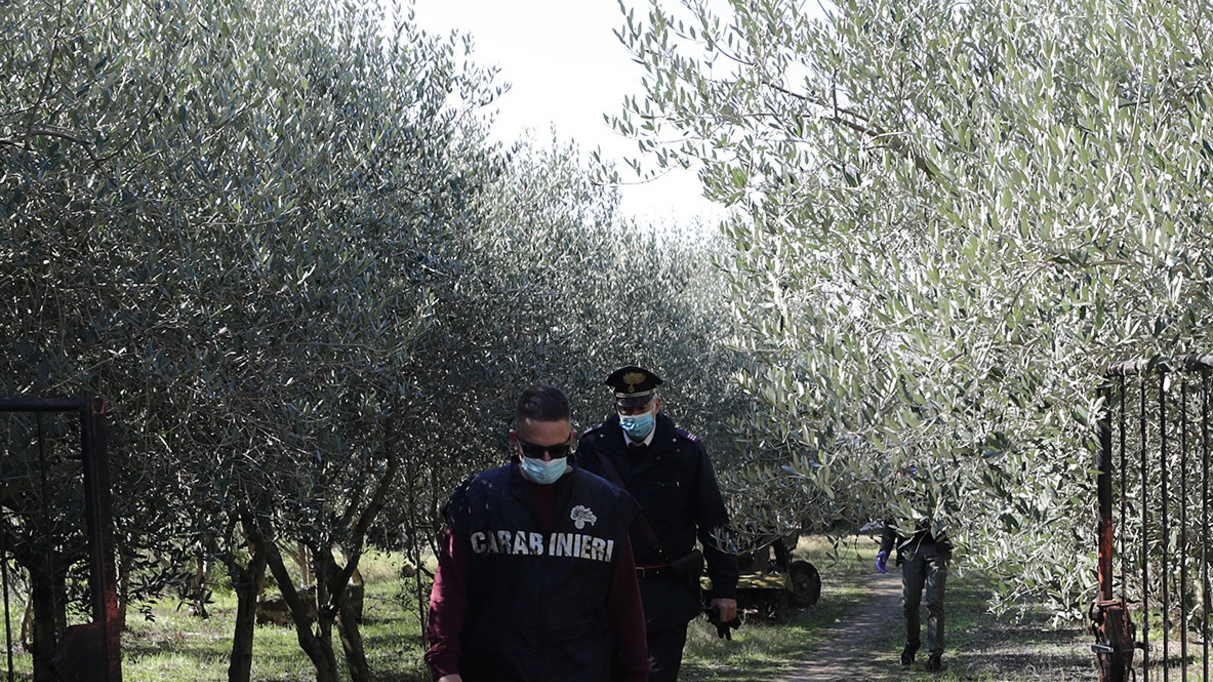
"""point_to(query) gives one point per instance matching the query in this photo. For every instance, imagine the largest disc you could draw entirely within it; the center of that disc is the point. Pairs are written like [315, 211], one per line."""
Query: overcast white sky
[566, 68]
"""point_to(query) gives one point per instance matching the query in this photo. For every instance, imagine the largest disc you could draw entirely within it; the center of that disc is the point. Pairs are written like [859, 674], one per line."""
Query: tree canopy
[951, 218]
[275, 238]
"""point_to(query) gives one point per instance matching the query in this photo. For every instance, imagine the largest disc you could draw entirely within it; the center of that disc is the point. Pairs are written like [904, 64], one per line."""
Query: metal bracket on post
[1114, 648]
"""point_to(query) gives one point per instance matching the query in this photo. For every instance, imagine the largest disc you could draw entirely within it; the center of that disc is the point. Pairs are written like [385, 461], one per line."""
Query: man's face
[652, 405]
[544, 440]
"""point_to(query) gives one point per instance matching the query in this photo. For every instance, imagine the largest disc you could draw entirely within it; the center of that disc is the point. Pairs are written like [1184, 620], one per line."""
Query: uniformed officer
[535, 579]
[924, 568]
[668, 471]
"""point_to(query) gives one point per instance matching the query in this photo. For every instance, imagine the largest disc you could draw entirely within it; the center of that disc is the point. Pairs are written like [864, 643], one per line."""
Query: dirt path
[850, 653]
[864, 646]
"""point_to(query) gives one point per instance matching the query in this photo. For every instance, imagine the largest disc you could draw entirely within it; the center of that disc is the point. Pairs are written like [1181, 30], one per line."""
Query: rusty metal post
[1114, 645]
[93, 652]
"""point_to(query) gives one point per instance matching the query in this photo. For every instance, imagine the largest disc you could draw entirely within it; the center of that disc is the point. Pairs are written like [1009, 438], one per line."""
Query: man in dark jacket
[924, 566]
[668, 471]
[535, 579]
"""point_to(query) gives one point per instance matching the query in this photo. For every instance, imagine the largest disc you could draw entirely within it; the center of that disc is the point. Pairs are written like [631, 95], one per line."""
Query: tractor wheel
[806, 583]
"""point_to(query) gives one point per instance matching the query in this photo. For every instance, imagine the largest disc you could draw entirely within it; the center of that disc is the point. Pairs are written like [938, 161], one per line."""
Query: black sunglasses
[536, 451]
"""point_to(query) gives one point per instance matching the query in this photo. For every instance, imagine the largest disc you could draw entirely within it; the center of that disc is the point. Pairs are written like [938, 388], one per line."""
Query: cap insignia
[633, 379]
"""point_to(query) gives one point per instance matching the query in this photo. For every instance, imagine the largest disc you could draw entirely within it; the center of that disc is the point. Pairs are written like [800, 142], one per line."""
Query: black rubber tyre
[806, 583]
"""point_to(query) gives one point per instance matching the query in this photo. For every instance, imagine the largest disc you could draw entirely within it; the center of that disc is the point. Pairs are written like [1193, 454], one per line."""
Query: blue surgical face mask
[638, 426]
[544, 472]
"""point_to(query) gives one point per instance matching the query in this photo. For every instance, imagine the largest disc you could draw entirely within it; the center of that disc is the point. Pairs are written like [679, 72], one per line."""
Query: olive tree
[221, 218]
[555, 286]
[950, 218]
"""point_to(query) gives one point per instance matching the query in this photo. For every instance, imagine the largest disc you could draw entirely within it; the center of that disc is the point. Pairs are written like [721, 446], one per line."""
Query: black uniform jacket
[674, 483]
[537, 601]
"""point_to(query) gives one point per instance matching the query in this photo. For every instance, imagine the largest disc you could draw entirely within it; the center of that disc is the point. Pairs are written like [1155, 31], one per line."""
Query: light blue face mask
[638, 426]
[544, 472]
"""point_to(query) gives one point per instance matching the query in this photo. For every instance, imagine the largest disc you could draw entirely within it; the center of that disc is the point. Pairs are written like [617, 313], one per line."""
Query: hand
[882, 558]
[728, 609]
[723, 627]
[451, 678]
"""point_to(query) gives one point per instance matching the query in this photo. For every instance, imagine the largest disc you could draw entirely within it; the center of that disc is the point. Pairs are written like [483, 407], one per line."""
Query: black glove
[722, 629]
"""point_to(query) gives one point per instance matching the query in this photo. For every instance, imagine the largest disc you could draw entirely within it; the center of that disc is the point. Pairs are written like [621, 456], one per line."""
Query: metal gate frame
[90, 652]
[1114, 630]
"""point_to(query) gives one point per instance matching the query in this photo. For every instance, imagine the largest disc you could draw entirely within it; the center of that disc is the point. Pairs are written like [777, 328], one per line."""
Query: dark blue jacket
[675, 484]
[537, 601]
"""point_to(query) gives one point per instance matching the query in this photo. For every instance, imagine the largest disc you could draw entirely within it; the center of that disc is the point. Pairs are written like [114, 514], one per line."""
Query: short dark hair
[542, 404]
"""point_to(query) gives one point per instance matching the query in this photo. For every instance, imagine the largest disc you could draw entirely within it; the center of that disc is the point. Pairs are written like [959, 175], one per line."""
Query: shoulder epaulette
[686, 434]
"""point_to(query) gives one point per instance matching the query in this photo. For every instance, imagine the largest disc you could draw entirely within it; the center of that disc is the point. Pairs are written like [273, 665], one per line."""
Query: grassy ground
[983, 648]
[980, 647]
[761, 648]
[177, 647]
